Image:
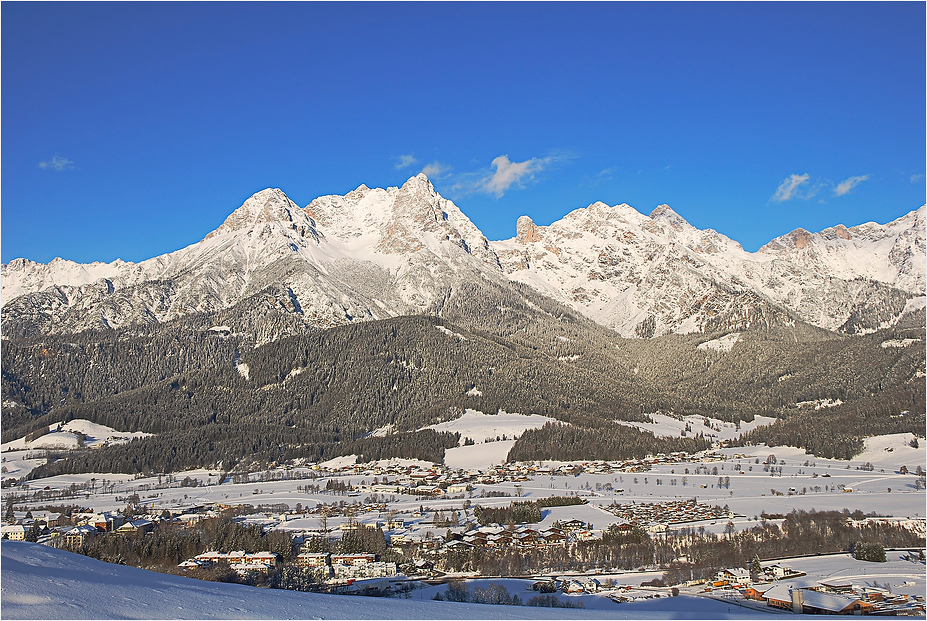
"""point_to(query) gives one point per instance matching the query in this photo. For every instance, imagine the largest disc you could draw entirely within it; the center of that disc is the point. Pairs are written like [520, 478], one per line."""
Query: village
[409, 528]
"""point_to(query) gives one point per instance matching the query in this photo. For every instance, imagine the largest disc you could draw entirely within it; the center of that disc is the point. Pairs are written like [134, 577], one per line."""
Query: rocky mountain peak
[268, 205]
[526, 230]
[664, 214]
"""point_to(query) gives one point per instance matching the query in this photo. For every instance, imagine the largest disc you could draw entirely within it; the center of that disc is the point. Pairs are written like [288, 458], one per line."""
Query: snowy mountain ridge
[377, 253]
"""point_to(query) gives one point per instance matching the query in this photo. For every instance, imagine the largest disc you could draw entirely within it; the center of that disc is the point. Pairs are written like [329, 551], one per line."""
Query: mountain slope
[650, 275]
[379, 253]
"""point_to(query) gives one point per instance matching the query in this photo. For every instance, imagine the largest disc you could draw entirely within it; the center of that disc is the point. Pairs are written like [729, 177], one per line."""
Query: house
[733, 575]
[107, 521]
[836, 585]
[75, 536]
[50, 519]
[366, 570]
[573, 586]
[815, 602]
[269, 559]
[353, 560]
[313, 559]
[544, 586]
[136, 526]
[779, 596]
[755, 592]
[16, 532]
[592, 586]
[244, 568]
[807, 601]
[777, 572]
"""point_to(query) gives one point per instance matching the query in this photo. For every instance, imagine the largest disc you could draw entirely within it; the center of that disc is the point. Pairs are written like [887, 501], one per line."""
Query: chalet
[779, 596]
[210, 557]
[573, 525]
[733, 575]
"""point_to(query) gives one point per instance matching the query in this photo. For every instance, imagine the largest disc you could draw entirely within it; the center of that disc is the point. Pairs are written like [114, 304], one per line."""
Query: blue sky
[131, 130]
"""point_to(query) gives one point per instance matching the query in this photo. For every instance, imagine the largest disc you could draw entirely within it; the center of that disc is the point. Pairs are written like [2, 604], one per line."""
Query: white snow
[243, 370]
[666, 426]
[899, 342]
[44, 583]
[95, 435]
[457, 335]
[480, 427]
[480, 456]
[893, 450]
[722, 344]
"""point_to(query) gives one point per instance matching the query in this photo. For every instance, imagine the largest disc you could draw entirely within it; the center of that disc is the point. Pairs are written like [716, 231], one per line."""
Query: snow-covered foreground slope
[45, 583]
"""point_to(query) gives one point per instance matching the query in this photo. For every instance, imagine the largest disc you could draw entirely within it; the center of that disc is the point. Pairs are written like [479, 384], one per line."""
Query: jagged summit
[374, 253]
[664, 214]
[268, 205]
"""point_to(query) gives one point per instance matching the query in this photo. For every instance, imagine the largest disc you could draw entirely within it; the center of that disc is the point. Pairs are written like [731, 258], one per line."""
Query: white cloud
[789, 188]
[435, 169]
[916, 178]
[404, 161]
[508, 173]
[56, 163]
[845, 186]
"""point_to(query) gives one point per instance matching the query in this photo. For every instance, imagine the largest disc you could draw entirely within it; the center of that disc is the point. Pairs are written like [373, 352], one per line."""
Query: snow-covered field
[664, 426]
[494, 436]
[44, 583]
[67, 437]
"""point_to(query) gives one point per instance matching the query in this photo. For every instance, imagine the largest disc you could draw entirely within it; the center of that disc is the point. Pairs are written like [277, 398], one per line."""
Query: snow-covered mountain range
[377, 253]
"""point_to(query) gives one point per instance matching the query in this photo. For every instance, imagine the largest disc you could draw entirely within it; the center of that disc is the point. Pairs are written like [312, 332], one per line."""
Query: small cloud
[508, 173]
[56, 163]
[404, 161]
[789, 188]
[435, 169]
[916, 178]
[504, 174]
[845, 186]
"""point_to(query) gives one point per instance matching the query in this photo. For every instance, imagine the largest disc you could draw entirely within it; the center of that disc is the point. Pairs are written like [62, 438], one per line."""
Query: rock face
[651, 275]
[377, 253]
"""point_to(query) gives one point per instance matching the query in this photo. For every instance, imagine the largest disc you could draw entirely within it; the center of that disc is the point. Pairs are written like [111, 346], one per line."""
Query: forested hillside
[213, 399]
